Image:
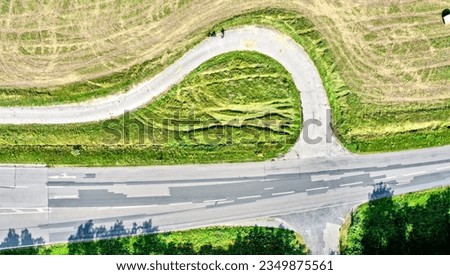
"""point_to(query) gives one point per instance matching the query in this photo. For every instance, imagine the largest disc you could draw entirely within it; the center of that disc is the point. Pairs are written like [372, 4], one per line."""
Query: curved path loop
[315, 141]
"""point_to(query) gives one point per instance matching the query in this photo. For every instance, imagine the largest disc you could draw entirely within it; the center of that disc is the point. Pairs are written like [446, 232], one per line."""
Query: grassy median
[240, 106]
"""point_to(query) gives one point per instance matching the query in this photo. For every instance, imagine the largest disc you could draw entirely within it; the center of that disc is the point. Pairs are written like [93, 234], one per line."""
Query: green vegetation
[240, 106]
[364, 121]
[207, 241]
[415, 223]
[362, 125]
[80, 91]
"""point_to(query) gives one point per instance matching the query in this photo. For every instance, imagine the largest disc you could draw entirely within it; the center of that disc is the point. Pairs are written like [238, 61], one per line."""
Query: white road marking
[249, 197]
[22, 211]
[224, 202]
[269, 179]
[268, 188]
[283, 193]
[351, 184]
[413, 174]
[125, 207]
[180, 203]
[62, 176]
[443, 168]
[64, 197]
[403, 183]
[318, 188]
[390, 178]
[208, 201]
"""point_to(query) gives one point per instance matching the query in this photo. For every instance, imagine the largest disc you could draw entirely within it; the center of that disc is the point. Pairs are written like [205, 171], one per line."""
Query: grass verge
[410, 224]
[240, 106]
[362, 123]
[206, 241]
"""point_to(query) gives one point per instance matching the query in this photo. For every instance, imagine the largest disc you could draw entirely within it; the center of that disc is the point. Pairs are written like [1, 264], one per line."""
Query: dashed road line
[249, 197]
[413, 174]
[316, 189]
[403, 183]
[268, 188]
[283, 193]
[64, 197]
[209, 201]
[127, 207]
[225, 202]
[180, 203]
[443, 168]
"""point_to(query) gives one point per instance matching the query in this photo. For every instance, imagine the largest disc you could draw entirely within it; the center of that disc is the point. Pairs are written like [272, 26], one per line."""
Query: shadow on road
[381, 190]
[24, 239]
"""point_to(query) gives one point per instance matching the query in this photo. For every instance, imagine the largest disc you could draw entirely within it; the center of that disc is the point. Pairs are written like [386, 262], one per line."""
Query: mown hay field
[384, 64]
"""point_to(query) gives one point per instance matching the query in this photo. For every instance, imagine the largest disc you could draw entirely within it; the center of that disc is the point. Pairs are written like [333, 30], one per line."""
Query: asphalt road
[52, 203]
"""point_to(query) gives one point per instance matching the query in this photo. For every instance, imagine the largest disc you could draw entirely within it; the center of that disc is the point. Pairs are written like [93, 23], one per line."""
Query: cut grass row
[362, 125]
[414, 223]
[206, 241]
[241, 106]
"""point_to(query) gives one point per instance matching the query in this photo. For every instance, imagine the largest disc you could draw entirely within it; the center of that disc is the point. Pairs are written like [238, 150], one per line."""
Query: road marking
[318, 188]
[269, 180]
[64, 197]
[283, 193]
[443, 168]
[351, 184]
[403, 183]
[268, 188]
[208, 201]
[63, 176]
[22, 211]
[224, 202]
[413, 174]
[249, 197]
[126, 207]
[16, 187]
[390, 178]
[180, 203]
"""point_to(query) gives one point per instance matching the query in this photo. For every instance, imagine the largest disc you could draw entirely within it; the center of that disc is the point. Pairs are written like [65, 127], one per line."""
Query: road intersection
[52, 202]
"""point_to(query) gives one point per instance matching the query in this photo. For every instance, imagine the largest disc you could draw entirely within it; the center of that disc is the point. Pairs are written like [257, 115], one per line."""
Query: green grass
[206, 241]
[361, 124]
[414, 223]
[241, 106]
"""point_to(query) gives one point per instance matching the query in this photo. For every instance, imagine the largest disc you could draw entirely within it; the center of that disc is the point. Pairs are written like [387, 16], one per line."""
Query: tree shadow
[392, 227]
[267, 241]
[139, 240]
[25, 239]
[92, 240]
[381, 190]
